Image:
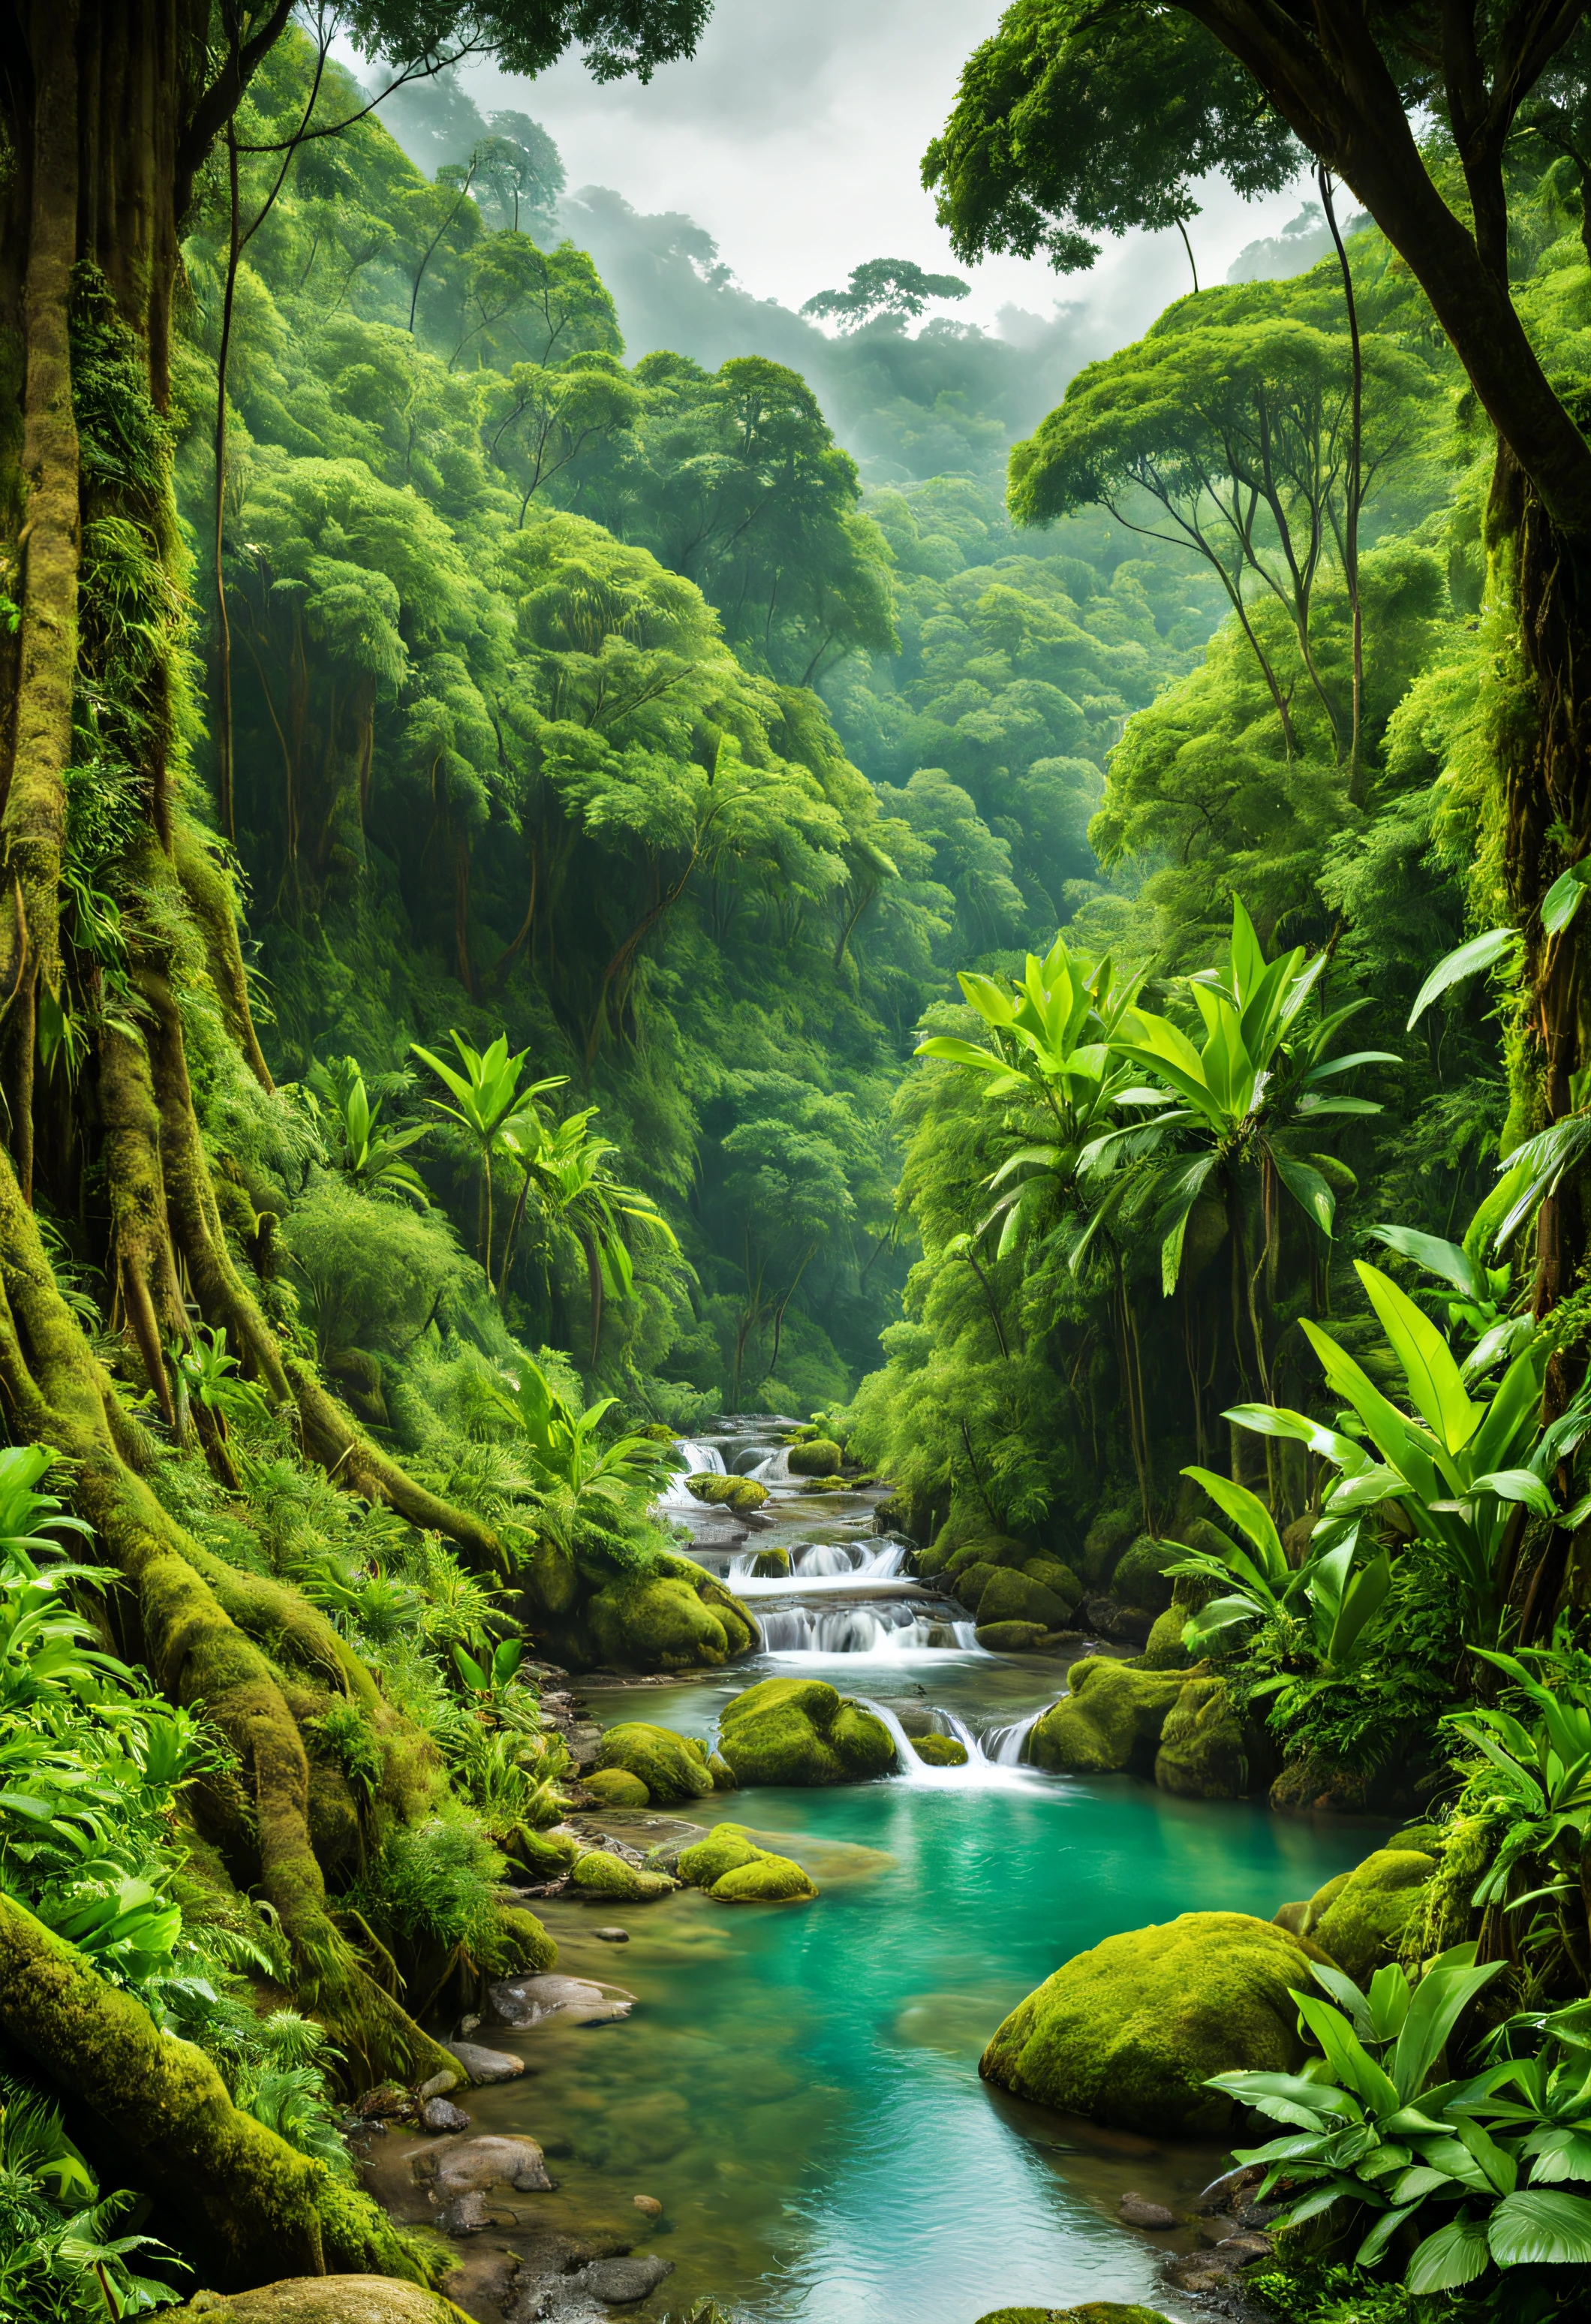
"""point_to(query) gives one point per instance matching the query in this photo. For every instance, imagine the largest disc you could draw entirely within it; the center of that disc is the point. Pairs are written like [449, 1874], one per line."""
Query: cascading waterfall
[699, 1460]
[980, 1772]
[834, 1559]
[1007, 1747]
[774, 1468]
[882, 1632]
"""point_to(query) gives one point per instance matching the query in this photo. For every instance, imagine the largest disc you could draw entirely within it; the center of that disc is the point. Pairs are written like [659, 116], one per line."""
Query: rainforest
[795, 1176]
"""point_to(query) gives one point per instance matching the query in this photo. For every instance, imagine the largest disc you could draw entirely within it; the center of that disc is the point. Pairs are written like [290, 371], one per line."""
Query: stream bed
[798, 2085]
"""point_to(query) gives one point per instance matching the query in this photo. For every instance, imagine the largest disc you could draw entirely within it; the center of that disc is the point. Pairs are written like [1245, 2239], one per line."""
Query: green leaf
[1308, 1188]
[1538, 2224]
[1453, 2256]
[1451, 1260]
[1246, 1510]
[1440, 1998]
[1564, 898]
[1436, 1385]
[1468, 960]
[1518, 1485]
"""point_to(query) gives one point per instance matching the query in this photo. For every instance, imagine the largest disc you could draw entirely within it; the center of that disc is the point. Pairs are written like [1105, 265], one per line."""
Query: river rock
[1138, 2212]
[612, 1936]
[796, 1730]
[616, 1787]
[321, 2300]
[623, 2282]
[1359, 1917]
[484, 2065]
[438, 2084]
[1209, 1750]
[649, 2204]
[466, 2215]
[441, 2114]
[1017, 1597]
[730, 1866]
[673, 1768]
[509, 2161]
[674, 1616]
[1109, 1723]
[534, 2000]
[1011, 1637]
[1128, 2033]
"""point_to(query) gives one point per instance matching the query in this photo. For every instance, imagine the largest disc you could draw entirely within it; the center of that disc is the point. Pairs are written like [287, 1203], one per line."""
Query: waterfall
[909, 1768]
[827, 1560]
[699, 1460]
[774, 1468]
[1005, 1747]
[881, 1632]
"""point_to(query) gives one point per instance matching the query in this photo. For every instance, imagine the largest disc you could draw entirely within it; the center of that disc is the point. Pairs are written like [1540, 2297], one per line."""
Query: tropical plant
[569, 1169]
[367, 1152]
[60, 2262]
[486, 1668]
[582, 1481]
[485, 1094]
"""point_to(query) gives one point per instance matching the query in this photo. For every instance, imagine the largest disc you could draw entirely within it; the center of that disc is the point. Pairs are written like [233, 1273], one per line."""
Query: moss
[771, 1565]
[722, 1773]
[671, 1768]
[768, 1880]
[326, 2300]
[673, 1616]
[1011, 1597]
[739, 1495]
[1056, 1576]
[1109, 1723]
[971, 1581]
[940, 1750]
[1360, 1920]
[821, 1457]
[1129, 2033]
[724, 1849]
[1165, 1650]
[357, 2236]
[792, 1730]
[524, 1948]
[602, 1875]
[1140, 1577]
[1106, 1537]
[1010, 1637]
[985, 1548]
[1207, 1751]
[549, 1853]
[616, 1787]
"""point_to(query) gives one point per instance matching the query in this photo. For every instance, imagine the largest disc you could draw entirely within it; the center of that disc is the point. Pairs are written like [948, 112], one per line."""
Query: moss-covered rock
[546, 1853]
[985, 1548]
[1140, 1577]
[1092, 2312]
[616, 1787]
[794, 1730]
[324, 2299]
[1359, 1919]
[726, 1848]
[524, 1948]
[673, 1767]
[1055, 1575]
[969, 1585]
[819, 1456]
[1163, 1650]
[722, 1773]
[1010, 1637]
[1129, 2033]
[771, 1565]
[1112, 1529]
[739, 1495]
[1207, 1750]
[600, 1874]
[672, 1616]
[1109, 1723]
[1015, 1597]
[768, 1879]
[940, 1750]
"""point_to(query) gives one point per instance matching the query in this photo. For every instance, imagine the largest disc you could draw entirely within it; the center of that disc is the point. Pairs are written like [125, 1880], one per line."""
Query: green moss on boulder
[726, 1848]
[794, 1730]
[969, 1585]
[324, 2299]
[985, 1548]
[739, 1495]
[1015, 1597]
[771, 1565]
[940, 1750]
[600, 1874]
[1359, 1919]
[671, 1617]
[673, 1767]
[1163, 1649]
[722, 1773]
[1129, 2033]
[768, 1879]
[524, 1948]
[1010, 1637]
[1109, 1723]
[1112, 1529]
[1141, 1579]
[819, 1456]
[1055, 1575]
[1207, 1750]
[547, 1853]
[616, 1787]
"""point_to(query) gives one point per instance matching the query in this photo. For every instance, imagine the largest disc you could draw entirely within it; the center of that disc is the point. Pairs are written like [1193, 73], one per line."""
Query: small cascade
[774, 1468]
[831, 1561]
[1007, 1747]
[699, 1460]
[880, 1631]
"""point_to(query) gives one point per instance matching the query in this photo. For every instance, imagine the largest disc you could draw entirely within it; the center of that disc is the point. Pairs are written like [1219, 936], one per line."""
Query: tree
[893, 287]
[1076, 118]
[521, 173]
[108, 117]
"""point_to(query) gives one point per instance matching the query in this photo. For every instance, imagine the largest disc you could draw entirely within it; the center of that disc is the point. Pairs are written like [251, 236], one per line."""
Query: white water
[775, 1469]
[1004, 1746]
[700, 1460]
[824, 1559]
[875, 1632]
[977, 1774]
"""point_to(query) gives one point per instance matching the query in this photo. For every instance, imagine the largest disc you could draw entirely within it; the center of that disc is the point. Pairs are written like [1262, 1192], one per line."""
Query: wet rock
[441, 2114]
[388, 2102]
[484, 2065]
[1126, 1626]
[1138, 2212]
[466, 2215]
[649, 2204]
[612, 1936]
[320, 2300]
[623, 2282]
[536, 2000]
[438, 2084]
[509, 2161]
[1220, 2193]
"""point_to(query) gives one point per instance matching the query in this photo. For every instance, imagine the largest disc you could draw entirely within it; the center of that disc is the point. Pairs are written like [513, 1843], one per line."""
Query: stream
[798, 2087]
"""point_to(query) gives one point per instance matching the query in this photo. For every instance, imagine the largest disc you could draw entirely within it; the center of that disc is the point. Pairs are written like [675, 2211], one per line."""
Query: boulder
[616, 1787]
[729, 1865]
[1109, 1723]
[623, 2282]
[1015, 1597]
[795, 1731]
[1092, 2312]
[439, 2115]
[771, 1565]
[1163, 1649]
[537, 2000]
[1360, 1917]
[1129, 2033]
[969, 1585]
[1141, 1579]
[722, 1773]
[547, 1854]
[940, 1750]
[673, 1767]
[1112, 1529]
[1138, 2212]
[1209, 1750]
[983, 1548]
[1010, 1637]
[324, 2299]
[739, 1495]
[1056, 1576]
[482, 2065]
[511, 2160]
[601, 1873]
[819, 1456]
[725, 1848]
[672, 1615]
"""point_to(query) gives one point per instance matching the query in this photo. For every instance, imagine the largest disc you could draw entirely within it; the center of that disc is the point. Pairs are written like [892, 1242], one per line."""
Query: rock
[438, 2084]
[623, 2282]
[1140, 1577]
[1112, 1529]
[771, 1565]
[1207, 1751]
[324, 2299]
[482, 2065]
[1010, 1637]
[1092, 2312]
[509, 2161]
[602, 1873]
[794, 1730]
[537, 2000]
[1126, 1626]
[739, 1495]
[612, 1936]
[1014, 1597]
[940, 1750]
[1128, 2034]
[673, 1617]
[1055, 1576]
[616, 1787]
[1315, 1787]
[819, 1456]
[466, 2215]
[1138, 2212]
[441, 2114]
[649, 2204]
[388, 2102]
[1109, 1723]
[1220, 2192]
[722, 1773]
[729, 1865]
[1163, 1649]
[672, 1767]
[1359, 1917]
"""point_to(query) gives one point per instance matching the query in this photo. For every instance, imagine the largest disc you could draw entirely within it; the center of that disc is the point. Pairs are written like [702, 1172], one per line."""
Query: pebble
[482, 2065]
[1138, 2212]
[649, 2204]
[612, 1936]
[441, 2114]
[533, 2000]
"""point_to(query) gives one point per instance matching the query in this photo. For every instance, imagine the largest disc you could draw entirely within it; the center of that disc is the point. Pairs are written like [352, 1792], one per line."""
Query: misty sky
[795, 138]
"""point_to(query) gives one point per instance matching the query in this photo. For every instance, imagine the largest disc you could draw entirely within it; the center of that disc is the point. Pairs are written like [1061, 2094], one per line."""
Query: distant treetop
[883, 286]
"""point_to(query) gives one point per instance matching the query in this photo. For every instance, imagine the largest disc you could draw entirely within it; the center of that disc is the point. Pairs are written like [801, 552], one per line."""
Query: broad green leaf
[1308, 1188]
[1436, 1386]
[1440, 1998]
[960, 1053]
[1538, 2225]
[1453, 2256]
[1361, 1601]
[1246, 1510]
[1350, 2063]
[1518, 1485]
[1451, 1260]
[1468, 960]
[1387, 2226]
[1564, 898]
[1400, 1441]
